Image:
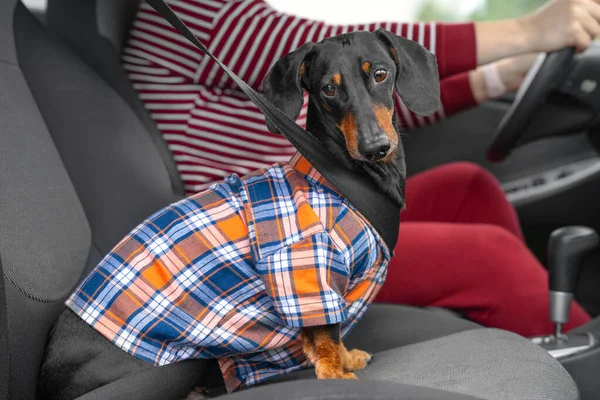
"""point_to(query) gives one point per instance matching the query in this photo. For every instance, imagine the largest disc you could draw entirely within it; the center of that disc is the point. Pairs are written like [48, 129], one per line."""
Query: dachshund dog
[350, 80]
[265, 273]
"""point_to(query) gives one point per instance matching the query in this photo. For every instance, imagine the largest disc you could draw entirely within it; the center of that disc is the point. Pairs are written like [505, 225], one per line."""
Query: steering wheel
[549, 70]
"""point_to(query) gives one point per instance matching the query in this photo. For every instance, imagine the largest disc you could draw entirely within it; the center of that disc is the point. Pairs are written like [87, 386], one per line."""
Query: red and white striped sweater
[210, 126]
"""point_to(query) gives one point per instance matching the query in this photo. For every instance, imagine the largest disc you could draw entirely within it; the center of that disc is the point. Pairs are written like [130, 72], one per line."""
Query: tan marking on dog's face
[326, 107]
[366, 66]
[348, 128]
[337, 79]
[384, 120]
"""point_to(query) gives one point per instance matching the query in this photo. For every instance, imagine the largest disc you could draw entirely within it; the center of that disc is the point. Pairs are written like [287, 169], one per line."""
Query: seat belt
[376, 206]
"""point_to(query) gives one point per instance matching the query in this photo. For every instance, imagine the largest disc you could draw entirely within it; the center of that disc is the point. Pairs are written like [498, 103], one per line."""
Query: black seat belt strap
[376, 206]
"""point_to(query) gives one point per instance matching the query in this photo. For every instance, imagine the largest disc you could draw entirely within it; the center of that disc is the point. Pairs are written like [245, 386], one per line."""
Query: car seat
[80, 166]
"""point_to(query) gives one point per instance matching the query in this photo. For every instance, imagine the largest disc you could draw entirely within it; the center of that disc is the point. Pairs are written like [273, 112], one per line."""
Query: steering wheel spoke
[544, 76]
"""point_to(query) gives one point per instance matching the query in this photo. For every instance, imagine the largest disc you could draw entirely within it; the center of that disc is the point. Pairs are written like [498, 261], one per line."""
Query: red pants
[460, 247]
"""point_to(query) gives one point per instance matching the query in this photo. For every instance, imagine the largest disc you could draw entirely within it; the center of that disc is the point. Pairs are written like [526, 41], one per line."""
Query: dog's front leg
[322, 345]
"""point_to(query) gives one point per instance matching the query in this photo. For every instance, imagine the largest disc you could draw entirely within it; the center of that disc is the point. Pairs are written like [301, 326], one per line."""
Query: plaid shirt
[234, 272]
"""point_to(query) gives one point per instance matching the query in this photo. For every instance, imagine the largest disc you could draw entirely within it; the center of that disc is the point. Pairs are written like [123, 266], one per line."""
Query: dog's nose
[376, 150]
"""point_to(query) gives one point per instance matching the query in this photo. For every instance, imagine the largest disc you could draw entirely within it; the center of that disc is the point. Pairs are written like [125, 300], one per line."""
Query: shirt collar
[301, 164]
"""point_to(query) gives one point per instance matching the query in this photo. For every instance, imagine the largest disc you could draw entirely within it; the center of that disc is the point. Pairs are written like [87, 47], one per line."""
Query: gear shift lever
[566, 250]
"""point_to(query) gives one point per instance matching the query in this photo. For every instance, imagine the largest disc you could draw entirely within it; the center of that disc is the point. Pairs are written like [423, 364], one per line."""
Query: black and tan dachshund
[351, 80]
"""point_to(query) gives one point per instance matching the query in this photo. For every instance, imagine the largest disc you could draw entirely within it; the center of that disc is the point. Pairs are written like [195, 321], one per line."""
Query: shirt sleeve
[457, 94]
[306, 282]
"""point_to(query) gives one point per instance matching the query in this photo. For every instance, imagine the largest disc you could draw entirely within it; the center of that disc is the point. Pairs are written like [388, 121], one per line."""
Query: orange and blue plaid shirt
[234, 272]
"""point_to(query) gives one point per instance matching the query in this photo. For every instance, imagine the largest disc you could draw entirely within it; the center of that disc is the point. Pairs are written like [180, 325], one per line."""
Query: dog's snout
[376, 149]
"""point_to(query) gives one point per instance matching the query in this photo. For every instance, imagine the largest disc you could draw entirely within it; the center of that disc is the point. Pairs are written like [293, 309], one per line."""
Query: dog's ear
[283, 84]
[417, 79]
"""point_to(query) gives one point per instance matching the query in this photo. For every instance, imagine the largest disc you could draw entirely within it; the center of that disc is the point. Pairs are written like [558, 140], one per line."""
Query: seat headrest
[115, 18]
[7, 38]
[110, 19]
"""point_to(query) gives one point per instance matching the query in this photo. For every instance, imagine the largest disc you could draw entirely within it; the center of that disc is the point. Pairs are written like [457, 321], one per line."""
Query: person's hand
[514, 69]
[563, 23]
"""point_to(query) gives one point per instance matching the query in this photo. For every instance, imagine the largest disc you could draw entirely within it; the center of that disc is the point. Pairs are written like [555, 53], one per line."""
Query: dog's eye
[380, 75]
[328, 90]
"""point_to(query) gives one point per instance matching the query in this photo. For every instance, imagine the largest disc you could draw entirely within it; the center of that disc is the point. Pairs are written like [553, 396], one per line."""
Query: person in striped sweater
[464, 251]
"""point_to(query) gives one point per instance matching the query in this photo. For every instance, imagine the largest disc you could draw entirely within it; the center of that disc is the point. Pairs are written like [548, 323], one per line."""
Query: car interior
[82, 163]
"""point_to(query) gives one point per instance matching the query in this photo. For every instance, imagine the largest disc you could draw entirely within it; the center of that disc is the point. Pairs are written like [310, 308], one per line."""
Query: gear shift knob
[567, 248]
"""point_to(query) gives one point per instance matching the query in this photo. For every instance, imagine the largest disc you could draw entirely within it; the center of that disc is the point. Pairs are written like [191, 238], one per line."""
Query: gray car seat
[79, 167]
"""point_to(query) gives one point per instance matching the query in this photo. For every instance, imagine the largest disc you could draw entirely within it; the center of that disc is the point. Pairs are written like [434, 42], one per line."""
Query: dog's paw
[356, 359]
[332, 369]
[336, 375]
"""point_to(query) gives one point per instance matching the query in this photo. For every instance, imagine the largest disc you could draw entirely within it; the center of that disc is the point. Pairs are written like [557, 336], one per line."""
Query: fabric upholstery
[184, 374]
[385, 326]
[346, 390]
[29, 322]
[34, 209]
[169, 382]
[114, 18]
[79, 29]
[111, 159]
[7, 45]
[46, 241]
[486, 363]
[404, 323]
[44, 236]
